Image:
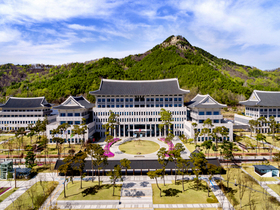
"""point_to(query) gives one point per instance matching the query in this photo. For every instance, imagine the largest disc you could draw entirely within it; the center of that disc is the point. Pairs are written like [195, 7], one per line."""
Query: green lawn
[34, 193]
[7, 194]
[188, 196]
[135, 147]
[232, 193]
[3, 189]
[90, 191]
[191, 148]
[251, 171]
[275, 188]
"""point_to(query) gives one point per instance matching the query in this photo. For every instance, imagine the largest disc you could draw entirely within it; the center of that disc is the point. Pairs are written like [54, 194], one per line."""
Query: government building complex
[137, 104]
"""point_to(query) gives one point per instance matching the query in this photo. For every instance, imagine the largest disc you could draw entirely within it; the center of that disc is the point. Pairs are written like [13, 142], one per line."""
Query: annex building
[20, 112]
[73, 111]
[260, 104]
[138, 104]
[201, 108]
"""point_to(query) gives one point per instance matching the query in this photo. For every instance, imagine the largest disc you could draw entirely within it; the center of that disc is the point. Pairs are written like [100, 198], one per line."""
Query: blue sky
[58, 32]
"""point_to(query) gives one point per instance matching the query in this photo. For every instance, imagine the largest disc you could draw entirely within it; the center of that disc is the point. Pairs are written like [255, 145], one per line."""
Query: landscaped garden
[173, 194]
[137, 147]
[90, 191]
[245, 189]
[34, 197]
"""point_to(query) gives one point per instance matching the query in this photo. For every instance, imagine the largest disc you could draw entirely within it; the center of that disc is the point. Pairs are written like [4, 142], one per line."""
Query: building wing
[75, 103]
[204, 101]
[16, 102]
[263, 98]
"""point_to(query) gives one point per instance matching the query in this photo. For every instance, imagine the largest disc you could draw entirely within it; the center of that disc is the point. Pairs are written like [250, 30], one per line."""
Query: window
[77, 114]
[147, 99]
[117, 100]
[69, 114]
[126, 100]
[208, 113]
[121, 99]
[274, 110]
[179, 99]
[261, 110]
[112, 100]
[175, 99]
[201, 113]
[70, 122]
[103, 100]
[99, 100]
[161, 99]
[77, 122]
[216, 121]
[170, 99]
[108, 99]
[62, 114]
[157, 99]
[201, 121]
[270, 110]
[216, 113]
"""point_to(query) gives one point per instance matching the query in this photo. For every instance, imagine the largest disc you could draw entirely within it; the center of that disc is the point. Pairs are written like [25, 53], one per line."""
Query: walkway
[23, 186]
[120, 155]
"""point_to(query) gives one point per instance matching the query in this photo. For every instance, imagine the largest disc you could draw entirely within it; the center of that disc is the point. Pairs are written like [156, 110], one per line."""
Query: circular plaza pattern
[139, 147]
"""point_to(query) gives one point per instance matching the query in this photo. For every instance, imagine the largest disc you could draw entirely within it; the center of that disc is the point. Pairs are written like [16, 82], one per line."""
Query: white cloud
[8, 35]
[23, 11]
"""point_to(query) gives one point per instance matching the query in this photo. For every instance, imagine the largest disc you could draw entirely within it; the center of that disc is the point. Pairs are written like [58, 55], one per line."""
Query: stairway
[136, 195]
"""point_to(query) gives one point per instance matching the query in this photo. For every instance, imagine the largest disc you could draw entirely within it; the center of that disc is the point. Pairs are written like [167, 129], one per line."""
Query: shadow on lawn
[93, 190]
[171, 192]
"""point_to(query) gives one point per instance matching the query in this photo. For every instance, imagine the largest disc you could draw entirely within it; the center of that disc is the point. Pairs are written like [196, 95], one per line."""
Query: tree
[166, 119]
[183, 166]
[83, 130]
[117, 172]
[204, 132]
[216, 133]
[64, 127]
[207, 145]
[224, 132]
[208, 124]
[30, 157]
[79, 159]
[260, 137]
[20, 132]
[194, 125]
[76, 131]
[155, 175]
[59, 141]
[31, 133]
[276, 158]
[96, 153]
[211, 170]
[174, 155]
[252, 124]
[163, 161]
[68, 161]
[110, 126]
[199, 164]
[272, 126]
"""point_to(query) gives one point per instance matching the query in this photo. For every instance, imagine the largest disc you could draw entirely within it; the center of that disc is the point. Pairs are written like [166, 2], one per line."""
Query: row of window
[209, 113]
[69, 114]
[210, 130]
[138, 105]
[22, 115]
[210, 138]
[27, 110]
[138, 113]
[138, 119]
[71, 122]
[99, 127]
[109, 100]
[262, 110]
[72, 140]
[17, 122]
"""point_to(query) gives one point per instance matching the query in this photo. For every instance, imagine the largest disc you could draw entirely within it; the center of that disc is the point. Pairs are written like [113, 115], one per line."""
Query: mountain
[196, 69]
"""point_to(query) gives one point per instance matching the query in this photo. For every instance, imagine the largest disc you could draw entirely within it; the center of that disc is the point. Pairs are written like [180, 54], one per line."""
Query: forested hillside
[196, 69]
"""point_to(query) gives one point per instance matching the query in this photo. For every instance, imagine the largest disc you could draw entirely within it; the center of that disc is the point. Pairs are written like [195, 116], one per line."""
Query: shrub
[212, 199]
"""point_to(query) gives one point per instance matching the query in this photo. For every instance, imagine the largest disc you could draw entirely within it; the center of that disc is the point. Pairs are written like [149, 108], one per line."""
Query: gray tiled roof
[266, 98]
[265, 167]
[198, 100]
[15, 102]
[139, 87]
[81, 103]
[136, 164]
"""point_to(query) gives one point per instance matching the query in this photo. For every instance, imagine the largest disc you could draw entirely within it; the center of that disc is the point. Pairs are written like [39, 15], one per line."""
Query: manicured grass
[191, 148]
[232, 193]
[52, 150]
[90, 191]
[251, 171]
[139, 146]
[188, 196]
[275, 188]
[7, 194]
[37, 193]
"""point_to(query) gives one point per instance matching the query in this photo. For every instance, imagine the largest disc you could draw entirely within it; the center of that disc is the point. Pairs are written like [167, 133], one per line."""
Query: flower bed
[169, 143]
[107, 152]
[3, 190]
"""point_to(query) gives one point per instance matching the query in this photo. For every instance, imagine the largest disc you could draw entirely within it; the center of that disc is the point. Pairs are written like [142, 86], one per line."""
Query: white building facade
[72, 111]
[200, 108]
[138, 104]
[260, 104]
[20, 112]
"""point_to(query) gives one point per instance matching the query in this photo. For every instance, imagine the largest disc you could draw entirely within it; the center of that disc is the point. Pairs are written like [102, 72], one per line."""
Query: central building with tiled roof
[138, 104]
